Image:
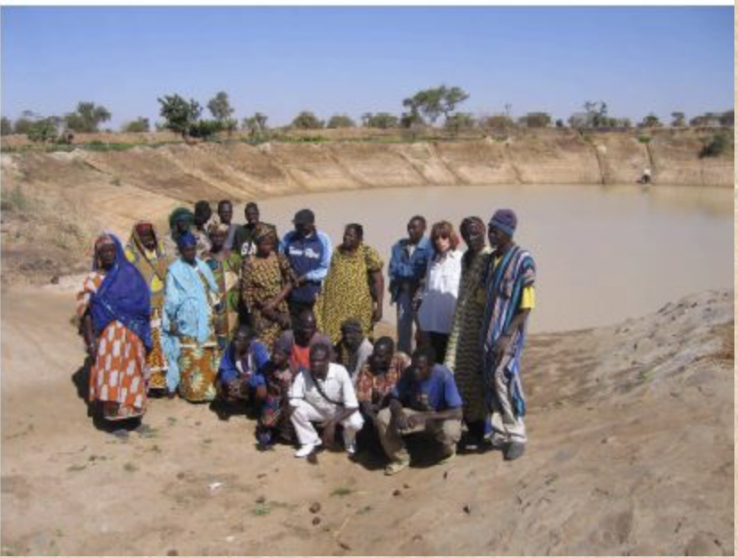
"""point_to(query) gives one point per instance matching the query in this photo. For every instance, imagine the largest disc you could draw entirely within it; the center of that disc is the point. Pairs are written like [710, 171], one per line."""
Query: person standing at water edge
[225, 214]
[324, 393]
[189, 336]
[508, 282]
[115, 308]
[438, 298]
[354, 286]
[464, 351]
[146, 253]
[309, 252]
[407, 269]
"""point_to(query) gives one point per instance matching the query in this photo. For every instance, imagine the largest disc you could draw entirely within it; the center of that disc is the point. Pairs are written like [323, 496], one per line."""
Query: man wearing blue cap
[508, 283]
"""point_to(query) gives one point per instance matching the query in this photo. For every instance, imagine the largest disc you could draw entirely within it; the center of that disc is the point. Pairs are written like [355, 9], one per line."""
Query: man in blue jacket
[406, 272]
[309, 252]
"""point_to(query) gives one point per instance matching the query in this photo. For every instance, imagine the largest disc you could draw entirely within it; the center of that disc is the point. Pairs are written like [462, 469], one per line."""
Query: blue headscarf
[186, 240]
[123, 296]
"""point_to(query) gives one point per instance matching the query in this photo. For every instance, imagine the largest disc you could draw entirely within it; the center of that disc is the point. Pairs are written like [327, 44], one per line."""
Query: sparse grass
[16, 200]
[261, 510]
[365, 510]
[342, 491]
[130, 467]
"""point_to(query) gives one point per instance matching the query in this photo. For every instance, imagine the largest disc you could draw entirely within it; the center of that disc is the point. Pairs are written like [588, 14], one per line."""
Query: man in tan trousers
[424, 400]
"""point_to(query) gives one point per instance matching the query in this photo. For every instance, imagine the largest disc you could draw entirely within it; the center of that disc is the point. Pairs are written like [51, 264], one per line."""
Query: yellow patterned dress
[346, 291]
[153, 266]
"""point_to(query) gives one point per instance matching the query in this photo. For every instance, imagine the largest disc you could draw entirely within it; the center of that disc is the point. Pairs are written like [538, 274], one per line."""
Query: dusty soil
[631, 452]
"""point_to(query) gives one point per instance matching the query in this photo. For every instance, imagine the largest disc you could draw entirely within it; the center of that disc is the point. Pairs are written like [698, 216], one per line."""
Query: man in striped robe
[508, 284]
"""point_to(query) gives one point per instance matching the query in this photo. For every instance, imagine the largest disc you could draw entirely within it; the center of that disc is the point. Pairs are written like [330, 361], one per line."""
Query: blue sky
[280, 61]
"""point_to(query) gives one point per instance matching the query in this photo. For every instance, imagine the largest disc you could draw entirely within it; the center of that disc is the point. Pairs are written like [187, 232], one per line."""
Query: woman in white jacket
[438, 297]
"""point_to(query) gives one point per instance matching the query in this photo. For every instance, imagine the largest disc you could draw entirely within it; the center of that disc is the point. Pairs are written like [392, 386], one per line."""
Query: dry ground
[631, 452]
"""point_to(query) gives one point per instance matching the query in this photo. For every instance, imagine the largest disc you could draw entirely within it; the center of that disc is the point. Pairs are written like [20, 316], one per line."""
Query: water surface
[604, 254]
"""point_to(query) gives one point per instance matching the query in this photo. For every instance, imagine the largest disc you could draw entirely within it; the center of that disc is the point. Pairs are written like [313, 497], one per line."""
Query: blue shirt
[309, 256]
[437, 393]
[405, 267]
[253, 365]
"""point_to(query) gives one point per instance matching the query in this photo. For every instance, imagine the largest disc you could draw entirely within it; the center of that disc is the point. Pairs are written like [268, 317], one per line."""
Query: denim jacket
[404, 268]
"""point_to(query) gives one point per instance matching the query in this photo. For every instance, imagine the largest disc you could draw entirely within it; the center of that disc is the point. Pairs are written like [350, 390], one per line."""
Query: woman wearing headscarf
[181, 220]
[115, 308]
[464, 351]
[266, 281]
[189, 341]
[146, 253]
[226, 268]
[353, 288]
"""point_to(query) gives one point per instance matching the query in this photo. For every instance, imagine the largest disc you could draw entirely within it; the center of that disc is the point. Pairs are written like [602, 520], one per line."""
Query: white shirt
[441, 290]
[337, 386]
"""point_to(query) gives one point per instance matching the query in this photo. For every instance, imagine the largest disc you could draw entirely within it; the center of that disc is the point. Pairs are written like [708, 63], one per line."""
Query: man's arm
[325, 261]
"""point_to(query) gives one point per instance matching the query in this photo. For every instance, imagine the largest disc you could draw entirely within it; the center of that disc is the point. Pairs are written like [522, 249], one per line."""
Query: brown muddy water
[604, 254]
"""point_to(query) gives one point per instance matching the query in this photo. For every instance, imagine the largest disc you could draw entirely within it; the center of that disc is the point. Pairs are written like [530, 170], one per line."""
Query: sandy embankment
[631, 452]
[631, 426]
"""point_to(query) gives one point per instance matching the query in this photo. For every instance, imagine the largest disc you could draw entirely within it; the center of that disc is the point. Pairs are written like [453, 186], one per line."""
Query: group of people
[219, 312]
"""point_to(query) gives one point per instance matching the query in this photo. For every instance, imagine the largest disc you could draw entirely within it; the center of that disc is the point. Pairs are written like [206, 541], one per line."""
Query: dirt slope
[631, 453]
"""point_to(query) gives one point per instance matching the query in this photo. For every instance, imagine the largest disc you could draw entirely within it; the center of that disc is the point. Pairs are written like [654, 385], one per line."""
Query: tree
[87, 117]
[650, 121]
[596, 112]
[205, 129]
[559, 123]
[411, 120]
[536, 120]
[709, 120]
[678, 120]
[256, 124]
[137, 126]
[221, 109]
[179, 115]
[306, 120]
[436, 101]
[459, 121]
[44, 130]
[717, 145]
[499, 122]
[6, 126]
[579, 121]
[727, 119]
[381, 120]
[341, 121]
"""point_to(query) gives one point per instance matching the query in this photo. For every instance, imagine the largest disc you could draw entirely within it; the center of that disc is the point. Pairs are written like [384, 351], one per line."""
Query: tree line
[424, 109]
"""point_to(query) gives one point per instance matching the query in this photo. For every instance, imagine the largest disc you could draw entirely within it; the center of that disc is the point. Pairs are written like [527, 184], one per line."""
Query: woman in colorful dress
[145, 251]
[190, 303]
[353, 288]
[266, 281]
[226, 268]
[115, 308]
[464, 351]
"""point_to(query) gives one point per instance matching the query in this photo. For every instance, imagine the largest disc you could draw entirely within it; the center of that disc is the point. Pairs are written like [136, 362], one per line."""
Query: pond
[604, 253]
